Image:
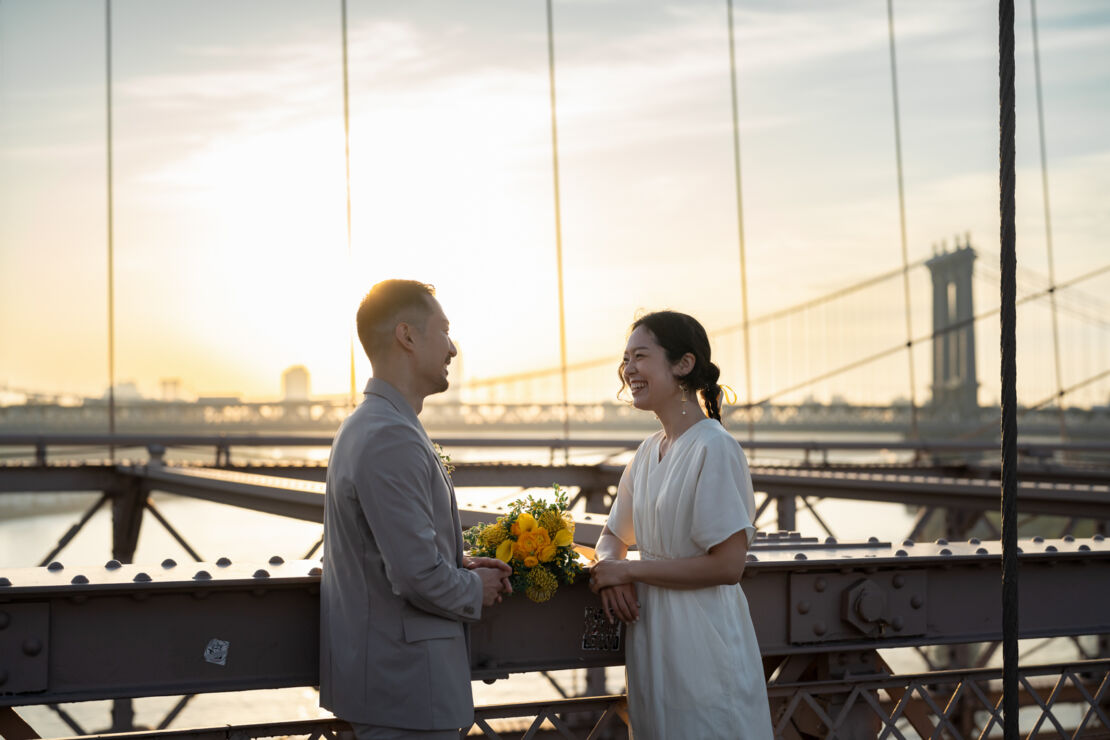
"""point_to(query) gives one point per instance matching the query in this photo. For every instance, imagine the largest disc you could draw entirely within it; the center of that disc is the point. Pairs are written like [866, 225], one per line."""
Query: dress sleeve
[724, 499]
[620, 515]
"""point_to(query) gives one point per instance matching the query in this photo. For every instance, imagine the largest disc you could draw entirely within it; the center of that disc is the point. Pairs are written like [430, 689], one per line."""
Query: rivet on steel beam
[32, 646]
[820, 584]
[916, 601]
[942, 541]
[4, 582]
[202, 575]
[898, 624]
[315, 571]
[799, 556]
[1050, 548]
[820, 628]
[260, 573]
[981, 551]
[141, 578]
[973, 541]
[55, 566]
[113, 565]
[5, 620]
[945, 551]
[223, 562]
[907, 542]
[901, 554]
[79, 579]
[1038, 539]
[872, 540]
[803, 607]
[1098, 538]
[899, 580]
[751, 558]
[169, 563]
[1020, 550]
[1069, 538]
[1085, 548]
[277, 560]
[830, 540]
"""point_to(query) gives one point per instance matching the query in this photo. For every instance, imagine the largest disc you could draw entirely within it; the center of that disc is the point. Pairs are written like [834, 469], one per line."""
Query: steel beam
[120, 631]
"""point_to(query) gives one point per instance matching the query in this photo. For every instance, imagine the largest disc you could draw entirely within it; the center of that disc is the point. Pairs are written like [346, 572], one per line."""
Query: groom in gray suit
[397, 591]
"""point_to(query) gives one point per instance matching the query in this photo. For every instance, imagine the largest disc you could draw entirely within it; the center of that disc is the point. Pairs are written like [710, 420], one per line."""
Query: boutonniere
[444, 459]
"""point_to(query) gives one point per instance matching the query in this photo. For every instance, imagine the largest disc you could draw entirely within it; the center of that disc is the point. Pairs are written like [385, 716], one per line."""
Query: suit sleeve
[394, 491]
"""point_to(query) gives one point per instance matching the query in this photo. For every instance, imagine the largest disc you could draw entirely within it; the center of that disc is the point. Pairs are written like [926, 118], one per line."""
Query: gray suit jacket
[394, 594]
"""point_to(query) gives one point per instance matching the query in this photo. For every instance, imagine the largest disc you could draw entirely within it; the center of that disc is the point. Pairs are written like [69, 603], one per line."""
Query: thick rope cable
[347, 162]
[902, 219]
[746, 326]
[1048, 222]
[1008, 341]
[558, 228]
[111, 228]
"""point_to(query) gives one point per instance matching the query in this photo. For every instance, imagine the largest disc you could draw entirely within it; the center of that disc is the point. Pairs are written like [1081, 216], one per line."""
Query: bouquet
[536, 538]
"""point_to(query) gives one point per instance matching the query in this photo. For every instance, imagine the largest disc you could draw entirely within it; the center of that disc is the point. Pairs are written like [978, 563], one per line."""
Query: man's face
[434, 350]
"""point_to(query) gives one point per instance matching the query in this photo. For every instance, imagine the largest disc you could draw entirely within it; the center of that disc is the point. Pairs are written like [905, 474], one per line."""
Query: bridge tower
[955, 386]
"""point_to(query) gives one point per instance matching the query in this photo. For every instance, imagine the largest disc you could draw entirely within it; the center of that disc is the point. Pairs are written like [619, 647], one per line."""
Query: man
[396, 588]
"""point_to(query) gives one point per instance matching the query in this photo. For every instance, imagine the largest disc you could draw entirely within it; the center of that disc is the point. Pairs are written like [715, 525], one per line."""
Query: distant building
[125, 391]
[295, 384]
[171, 389]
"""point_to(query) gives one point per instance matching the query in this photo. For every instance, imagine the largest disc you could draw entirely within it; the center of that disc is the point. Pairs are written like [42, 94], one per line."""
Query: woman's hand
[610, 572]
[620, 602]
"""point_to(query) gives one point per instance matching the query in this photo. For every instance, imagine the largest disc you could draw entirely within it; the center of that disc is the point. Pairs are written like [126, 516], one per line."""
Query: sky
[231, 259]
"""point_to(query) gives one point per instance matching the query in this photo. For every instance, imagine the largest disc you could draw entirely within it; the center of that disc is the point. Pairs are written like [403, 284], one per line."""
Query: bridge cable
[558, 229]
[902, 219]
[746, 325]
[347, 162]
[111, 230]
[1008, 340]
[1048, 223]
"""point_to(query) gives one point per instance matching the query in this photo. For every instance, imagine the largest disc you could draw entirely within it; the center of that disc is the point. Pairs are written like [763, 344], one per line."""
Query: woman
[686, 501]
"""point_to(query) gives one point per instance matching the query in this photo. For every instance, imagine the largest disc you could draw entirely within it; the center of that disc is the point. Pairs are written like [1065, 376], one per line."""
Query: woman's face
[648, 372]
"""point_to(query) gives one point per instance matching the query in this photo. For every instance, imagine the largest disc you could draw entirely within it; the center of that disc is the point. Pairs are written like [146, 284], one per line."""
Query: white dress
[693, 663]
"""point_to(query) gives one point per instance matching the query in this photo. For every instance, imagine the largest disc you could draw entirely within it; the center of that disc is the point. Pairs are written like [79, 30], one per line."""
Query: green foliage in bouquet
[536, 538]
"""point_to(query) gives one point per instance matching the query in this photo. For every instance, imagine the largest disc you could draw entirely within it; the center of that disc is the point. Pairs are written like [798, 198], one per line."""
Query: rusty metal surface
[140, 630]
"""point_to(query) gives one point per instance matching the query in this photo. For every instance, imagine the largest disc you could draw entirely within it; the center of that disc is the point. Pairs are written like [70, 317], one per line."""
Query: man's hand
[505, 568]
[494, 583]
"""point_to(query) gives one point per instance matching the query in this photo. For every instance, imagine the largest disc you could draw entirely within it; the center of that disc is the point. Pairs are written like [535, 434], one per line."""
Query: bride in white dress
[686, 502]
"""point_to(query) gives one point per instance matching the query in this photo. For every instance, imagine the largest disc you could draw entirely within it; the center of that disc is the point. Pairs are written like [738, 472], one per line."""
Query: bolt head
[916, 601]
[899, 580]
[803, 607]
[820, 584]
[820, 628]
[32, 646]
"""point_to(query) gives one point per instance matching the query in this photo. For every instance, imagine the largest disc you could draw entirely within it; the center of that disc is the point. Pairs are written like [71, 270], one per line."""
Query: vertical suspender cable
[740, 226]
[111, 231]
[1008, 265]
[347, 162]
[1048, 227]
[902, 218]
[558, 229]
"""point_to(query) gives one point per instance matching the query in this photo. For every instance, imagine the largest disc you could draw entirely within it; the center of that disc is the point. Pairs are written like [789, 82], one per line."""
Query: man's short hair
[388, 303]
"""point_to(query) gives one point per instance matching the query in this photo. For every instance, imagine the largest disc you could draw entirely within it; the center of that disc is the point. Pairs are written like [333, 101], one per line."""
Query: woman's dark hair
[679, 334]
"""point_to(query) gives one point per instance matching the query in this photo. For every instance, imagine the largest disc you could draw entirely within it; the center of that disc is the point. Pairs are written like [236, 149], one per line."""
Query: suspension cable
[746, 326]
[1048, 220]
[1008, 308]
[558, 228]
[111, 230]
[347, 162]
[902, 219]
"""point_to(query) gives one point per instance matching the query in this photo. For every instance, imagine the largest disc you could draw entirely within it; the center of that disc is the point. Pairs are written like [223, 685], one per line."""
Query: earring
[683, 387]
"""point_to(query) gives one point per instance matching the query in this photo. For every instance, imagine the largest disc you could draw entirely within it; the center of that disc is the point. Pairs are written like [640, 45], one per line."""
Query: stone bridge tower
[955, 386]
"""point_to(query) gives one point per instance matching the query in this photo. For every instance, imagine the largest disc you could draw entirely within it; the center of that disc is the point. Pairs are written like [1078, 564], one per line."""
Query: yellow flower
[547, 554]
[515, 529]
[552, 521]
[492, 536]
[505, 551]
[541, 585]
[531, 561]
[568, 521]
[526, 522]
[563, 537]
